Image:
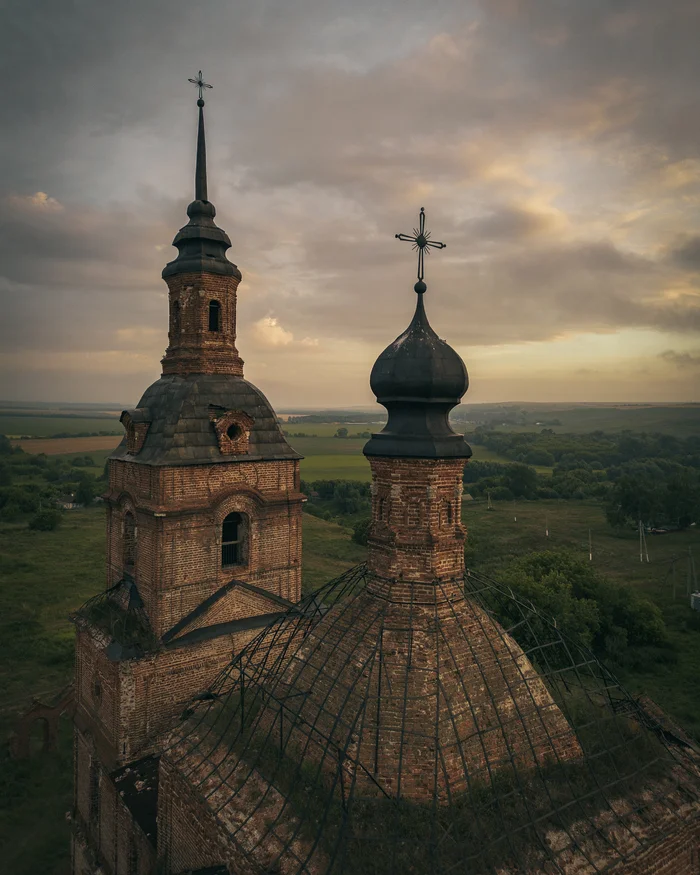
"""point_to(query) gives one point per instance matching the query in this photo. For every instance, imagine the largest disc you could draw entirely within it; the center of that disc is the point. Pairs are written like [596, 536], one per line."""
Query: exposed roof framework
[374, 729]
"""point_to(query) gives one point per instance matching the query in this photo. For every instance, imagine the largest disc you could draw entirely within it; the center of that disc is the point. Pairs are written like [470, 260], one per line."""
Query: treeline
[331, 416]
[329, 499]
[659, 492]
[597, 449]
[610, 618]
[32, 486]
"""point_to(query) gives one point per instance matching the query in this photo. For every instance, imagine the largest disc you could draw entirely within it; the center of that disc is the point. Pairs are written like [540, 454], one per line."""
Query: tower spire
[200, 175]
[201, 244]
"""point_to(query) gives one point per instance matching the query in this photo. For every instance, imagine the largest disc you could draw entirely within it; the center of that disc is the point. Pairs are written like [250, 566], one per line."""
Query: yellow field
[56, 446]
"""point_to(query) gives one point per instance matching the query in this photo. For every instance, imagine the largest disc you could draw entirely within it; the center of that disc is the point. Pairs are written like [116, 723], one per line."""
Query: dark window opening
[129, 541]
[232, 537]
[214, 316]
[94, 797]
[176, 317]
[233, 431]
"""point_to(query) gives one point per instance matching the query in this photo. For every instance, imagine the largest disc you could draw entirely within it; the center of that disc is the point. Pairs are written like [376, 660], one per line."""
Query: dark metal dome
[394, 728]
[181, 431]
[201, 244]
[419, 367]
[419, 378]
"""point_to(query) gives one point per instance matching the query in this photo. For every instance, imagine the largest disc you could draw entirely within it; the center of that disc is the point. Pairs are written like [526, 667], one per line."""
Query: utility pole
[642, 543]
[691, 584]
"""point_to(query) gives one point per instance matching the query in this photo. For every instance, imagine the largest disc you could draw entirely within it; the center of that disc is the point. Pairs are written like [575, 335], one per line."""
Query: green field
[495, 537]
[45, 575]
[680, 420]
[44, 426]
[332, 458]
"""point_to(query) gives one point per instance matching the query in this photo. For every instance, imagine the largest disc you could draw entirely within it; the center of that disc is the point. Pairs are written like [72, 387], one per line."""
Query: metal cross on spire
[200, 83]
[421, 242]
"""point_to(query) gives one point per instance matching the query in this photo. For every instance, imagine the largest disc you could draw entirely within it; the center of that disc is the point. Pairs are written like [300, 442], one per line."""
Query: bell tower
[203, 545]
[417, 460]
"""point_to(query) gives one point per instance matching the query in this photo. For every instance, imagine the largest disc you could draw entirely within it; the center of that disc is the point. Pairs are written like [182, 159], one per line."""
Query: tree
[341, 433]
[521, 480]
[85, 493]
[596, 612]
[5, 475]
[360, 531]
[45, 520]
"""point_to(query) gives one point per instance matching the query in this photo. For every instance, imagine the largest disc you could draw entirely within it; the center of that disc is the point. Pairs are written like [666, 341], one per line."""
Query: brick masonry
[416, 531]
[175, 558]
[193, 348]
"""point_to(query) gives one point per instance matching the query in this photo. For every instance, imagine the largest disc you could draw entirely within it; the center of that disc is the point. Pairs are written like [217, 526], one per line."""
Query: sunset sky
[555, 145]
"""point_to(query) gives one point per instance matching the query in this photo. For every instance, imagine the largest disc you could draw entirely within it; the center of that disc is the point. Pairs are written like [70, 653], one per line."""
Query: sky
[555, 146]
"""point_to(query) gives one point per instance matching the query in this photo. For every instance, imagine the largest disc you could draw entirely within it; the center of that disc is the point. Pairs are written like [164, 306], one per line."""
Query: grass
[328, 552]
[44, 576]
[341, 459]
[496, 537]
[43, 426]
[679, 420]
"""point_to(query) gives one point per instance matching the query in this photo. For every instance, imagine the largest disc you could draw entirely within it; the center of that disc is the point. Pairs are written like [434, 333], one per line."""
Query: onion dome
[419, 378]
[201, 244]
[392, 728]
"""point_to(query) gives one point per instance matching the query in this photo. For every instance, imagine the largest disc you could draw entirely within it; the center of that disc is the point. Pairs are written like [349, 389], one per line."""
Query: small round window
[234, 431]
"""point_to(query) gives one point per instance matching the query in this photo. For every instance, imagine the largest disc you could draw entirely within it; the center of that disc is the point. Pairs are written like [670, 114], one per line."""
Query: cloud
[682, 360]
[39, 199]
[686, 254]
[268, 332]
[555, 146]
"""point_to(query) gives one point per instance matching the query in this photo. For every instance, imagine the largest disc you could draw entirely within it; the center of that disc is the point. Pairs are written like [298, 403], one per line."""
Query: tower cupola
[200, 243]
[419, 378]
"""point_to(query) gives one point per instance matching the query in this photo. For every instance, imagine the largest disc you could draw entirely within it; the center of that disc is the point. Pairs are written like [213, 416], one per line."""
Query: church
[411, 716]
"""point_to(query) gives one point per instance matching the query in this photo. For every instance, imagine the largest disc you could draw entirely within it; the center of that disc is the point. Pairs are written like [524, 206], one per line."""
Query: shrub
[45, 520]
[360, 531]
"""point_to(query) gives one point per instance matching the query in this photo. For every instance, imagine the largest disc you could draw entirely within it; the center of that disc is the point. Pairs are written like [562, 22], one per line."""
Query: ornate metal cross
[200, 83]
[421, 242]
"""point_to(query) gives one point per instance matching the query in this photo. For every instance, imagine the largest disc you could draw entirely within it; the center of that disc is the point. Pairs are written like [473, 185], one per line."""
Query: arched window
[233, 540]
[446, 513]
[176, 317]
[214, 316]
[129, 541]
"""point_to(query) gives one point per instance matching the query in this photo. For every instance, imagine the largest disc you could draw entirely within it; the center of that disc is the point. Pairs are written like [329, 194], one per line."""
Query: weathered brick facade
[193, 348]
[204, 525]
[417, 531]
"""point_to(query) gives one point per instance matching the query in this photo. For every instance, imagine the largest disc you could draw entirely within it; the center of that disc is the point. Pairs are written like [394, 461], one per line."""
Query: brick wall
[189, 836]
[179, 512]
[677, 854]
[416, 530]
[193, 348]
[142, 697]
